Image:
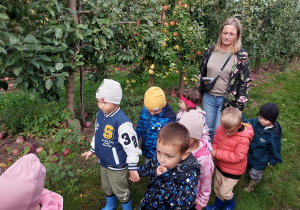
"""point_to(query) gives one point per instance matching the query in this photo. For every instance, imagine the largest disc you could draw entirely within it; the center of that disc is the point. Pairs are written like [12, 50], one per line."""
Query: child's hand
[161, 169]
[87, 154]
[134, 176]
[213, 153]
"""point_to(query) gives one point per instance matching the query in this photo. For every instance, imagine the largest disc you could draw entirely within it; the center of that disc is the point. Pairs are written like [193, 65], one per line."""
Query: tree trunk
[71, 81]
[181, 81]
[81, 73]
[267, 66]
[257, 64]
[70, 95]
[151, 81]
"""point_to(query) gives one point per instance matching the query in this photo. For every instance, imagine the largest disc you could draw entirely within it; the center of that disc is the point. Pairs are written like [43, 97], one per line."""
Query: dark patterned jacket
[239, 82]
[174, 189]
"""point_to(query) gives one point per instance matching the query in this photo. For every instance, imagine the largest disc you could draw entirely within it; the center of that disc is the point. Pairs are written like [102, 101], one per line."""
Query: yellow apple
[152, 66]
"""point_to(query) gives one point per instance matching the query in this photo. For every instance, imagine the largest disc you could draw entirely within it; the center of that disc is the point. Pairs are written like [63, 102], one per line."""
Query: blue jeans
[212, 106]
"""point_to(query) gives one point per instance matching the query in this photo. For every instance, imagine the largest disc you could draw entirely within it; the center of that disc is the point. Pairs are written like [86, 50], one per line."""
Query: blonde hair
[175, 134]
[238, 42]
[231, 118]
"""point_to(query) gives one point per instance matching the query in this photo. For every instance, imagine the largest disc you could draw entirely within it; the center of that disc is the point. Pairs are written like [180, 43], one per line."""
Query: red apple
[86, 115]
[31, 136]
[173, 94]
[32, 147]
[66, 152]
[165, 7]
[172, 23]
[166, 24]
[54, 158]
[16, 152]
[20, 140]
[87, 125]
[39, 149]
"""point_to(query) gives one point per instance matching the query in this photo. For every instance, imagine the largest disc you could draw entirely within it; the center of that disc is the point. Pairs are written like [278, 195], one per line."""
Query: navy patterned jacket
[174, 189]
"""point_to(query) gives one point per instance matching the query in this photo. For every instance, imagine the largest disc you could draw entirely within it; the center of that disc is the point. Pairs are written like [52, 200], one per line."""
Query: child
[190, 99]
[155, 115]
[230, 148]
[173, 171]
[265, 147]
[116, 145]
[198, 147]
[22, 187]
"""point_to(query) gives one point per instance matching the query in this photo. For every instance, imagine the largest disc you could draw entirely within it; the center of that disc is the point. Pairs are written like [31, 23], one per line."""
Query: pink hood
[21, 185]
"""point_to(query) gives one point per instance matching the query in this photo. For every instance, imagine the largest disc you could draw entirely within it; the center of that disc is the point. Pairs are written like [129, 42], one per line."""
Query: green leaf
[70, 173]
[63, 174]
[45, 57]
[58, 32]
[64, 74]
[59, 81]
[96, 42]
[32, 91]
[47, 48]
[29, 70]
[30, 39]
[18, 81]
[67, 24]
[102, 40]
[3, 16]
[33, 79]
[35, 63]
[3, 24]
[48, 84]
[79, 35]
[150, 23]
[59, 66]
[26, 150]
[17, 70]
[12, 59]
[2, 50]
[78, 63]
[82, 26]
[13, 39]
[52, 69]
[108, 32]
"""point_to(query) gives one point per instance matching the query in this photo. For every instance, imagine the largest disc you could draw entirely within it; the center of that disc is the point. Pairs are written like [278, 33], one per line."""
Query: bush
[19, 114]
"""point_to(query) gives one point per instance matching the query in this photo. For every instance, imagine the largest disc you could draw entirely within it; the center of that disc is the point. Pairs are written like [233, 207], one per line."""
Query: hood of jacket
[22, 184]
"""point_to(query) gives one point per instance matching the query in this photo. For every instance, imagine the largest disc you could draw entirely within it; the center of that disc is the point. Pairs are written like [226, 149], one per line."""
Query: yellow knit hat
[154, 99]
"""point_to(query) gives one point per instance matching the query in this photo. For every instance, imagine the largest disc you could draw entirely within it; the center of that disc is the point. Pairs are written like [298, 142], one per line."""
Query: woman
[230, 89]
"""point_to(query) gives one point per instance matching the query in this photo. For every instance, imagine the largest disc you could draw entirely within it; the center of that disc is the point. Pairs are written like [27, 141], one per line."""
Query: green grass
[279, 188]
